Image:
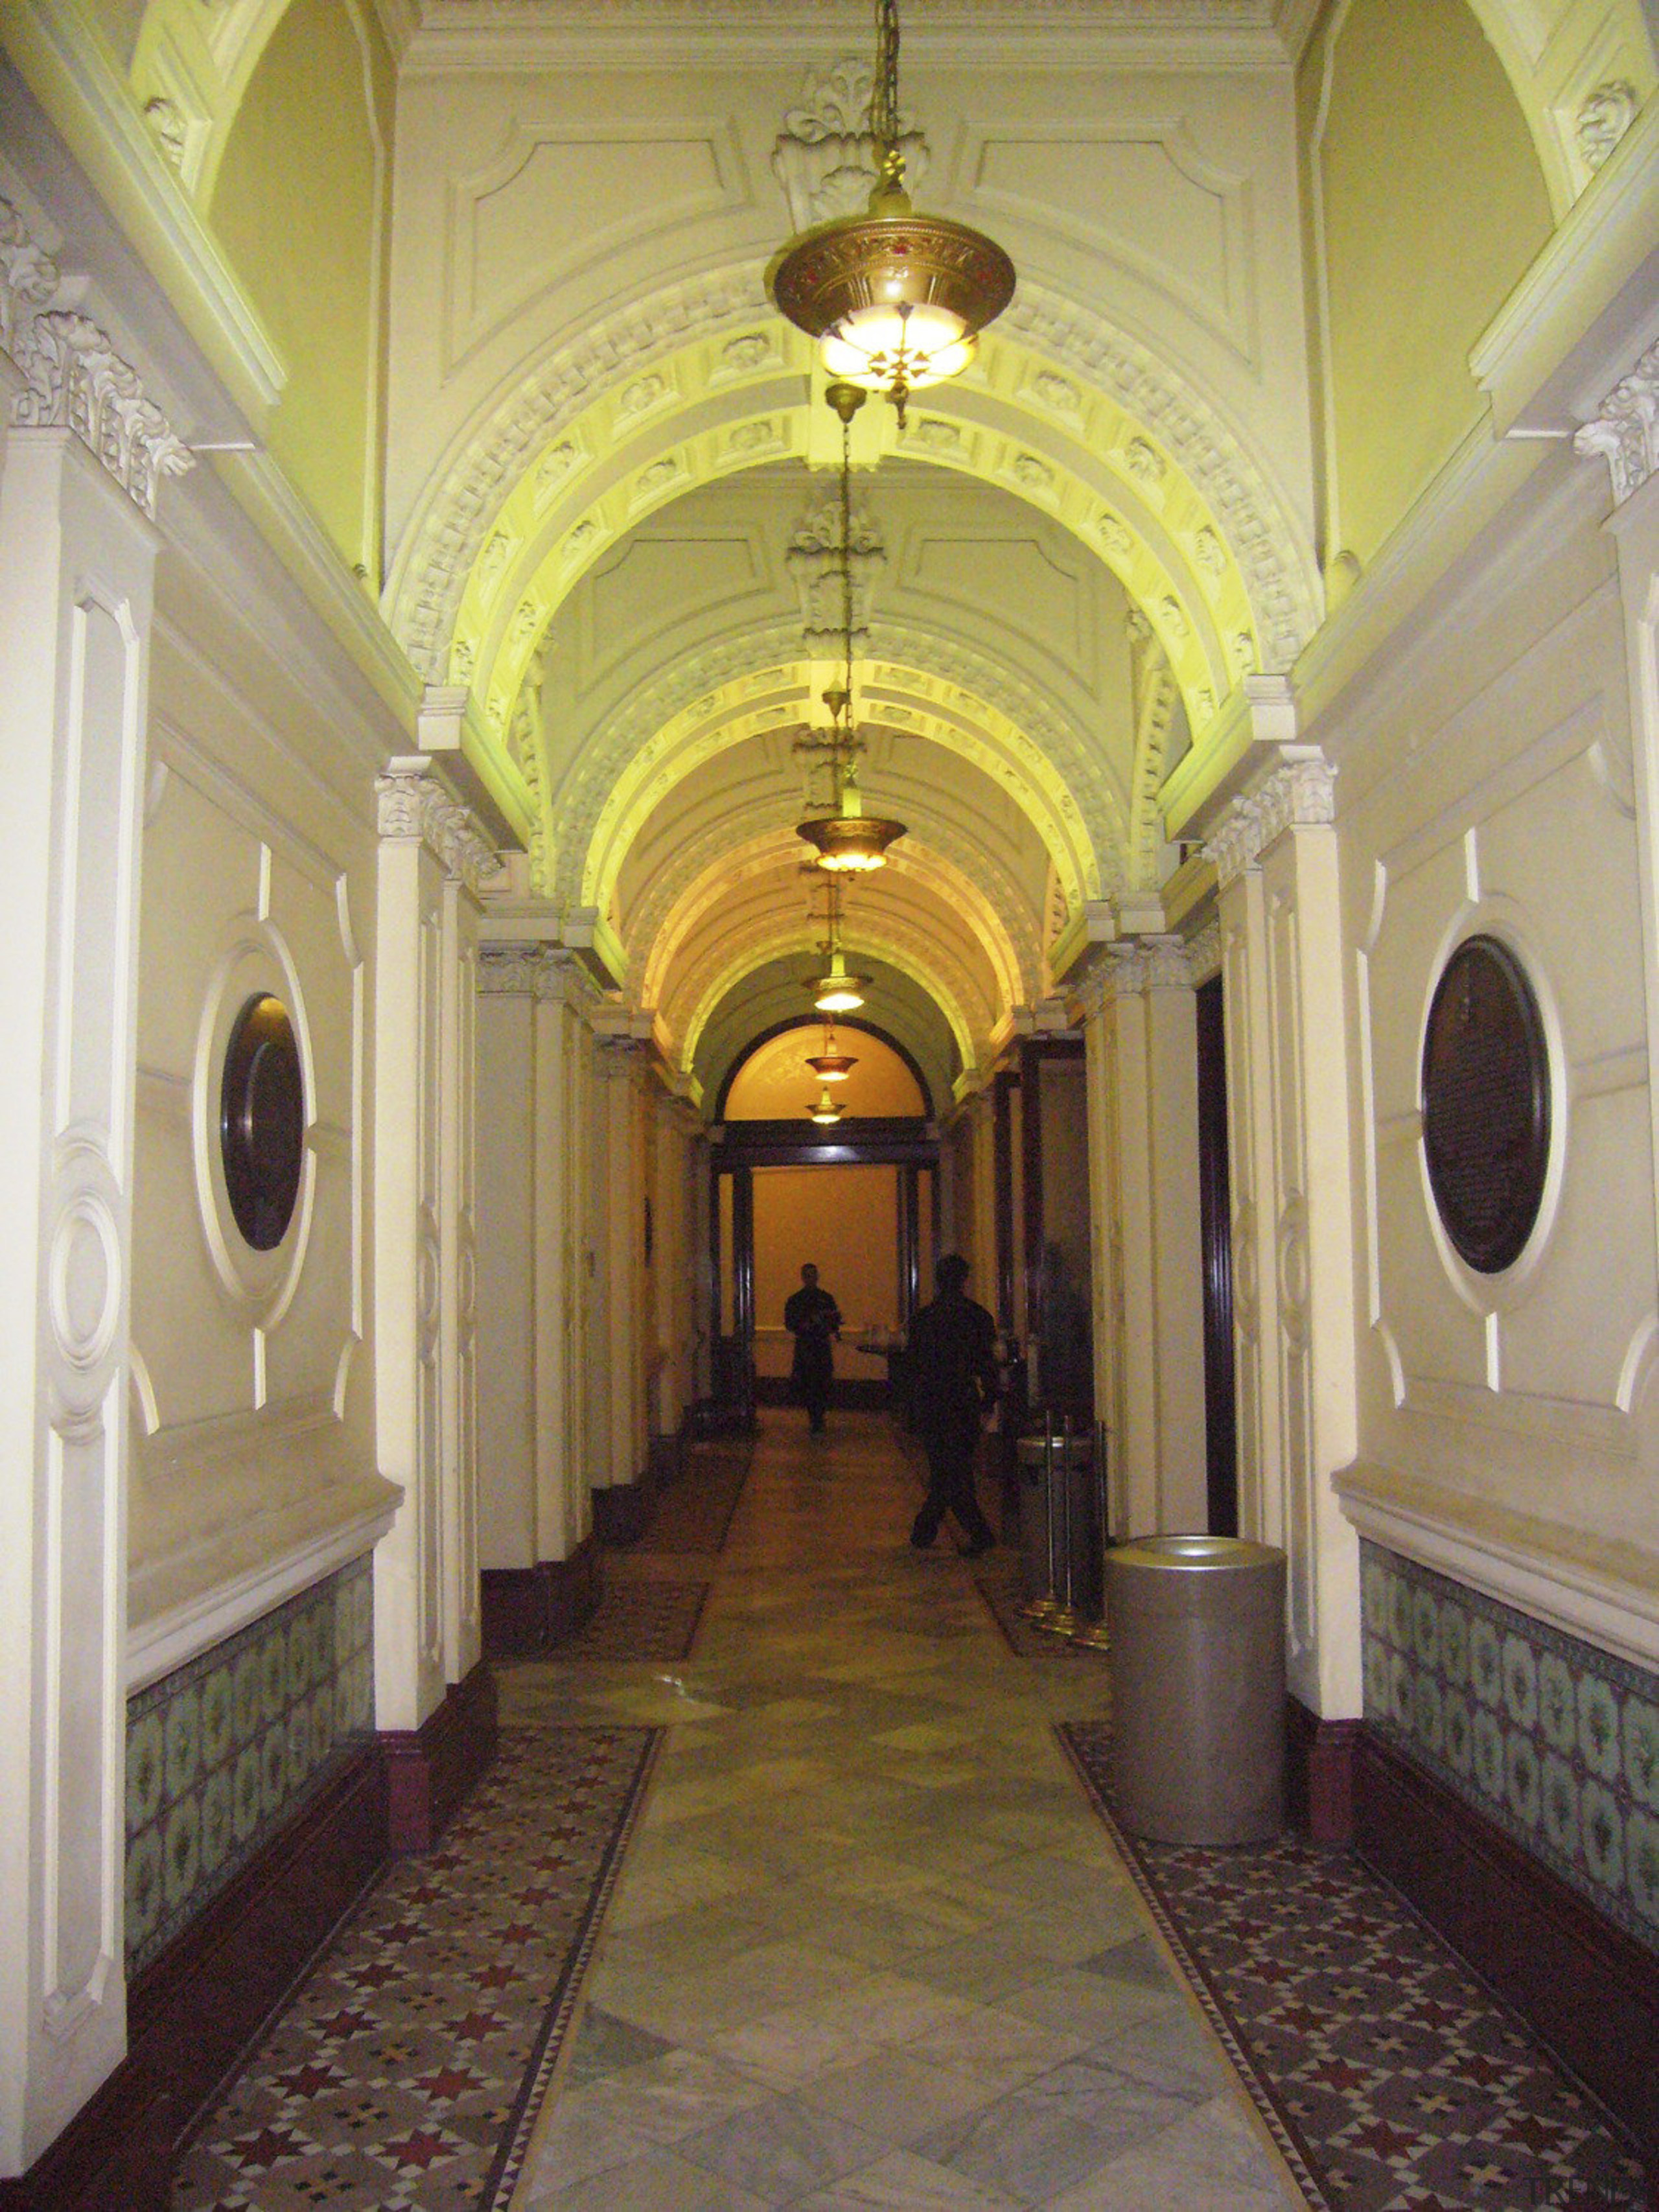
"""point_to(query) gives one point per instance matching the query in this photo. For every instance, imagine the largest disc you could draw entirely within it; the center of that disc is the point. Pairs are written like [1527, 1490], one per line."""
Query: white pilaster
[1293, 1257]
[74, 615]
[425, 1246]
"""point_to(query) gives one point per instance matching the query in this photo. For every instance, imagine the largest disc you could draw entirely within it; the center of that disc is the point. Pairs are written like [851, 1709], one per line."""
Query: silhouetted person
[953, 1370]
[812, 1318]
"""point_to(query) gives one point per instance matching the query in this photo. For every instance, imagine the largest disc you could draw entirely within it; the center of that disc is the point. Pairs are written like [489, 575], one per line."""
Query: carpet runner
[1390, 2079]
[639, 1617]
[694, 1512]
[406, 2073]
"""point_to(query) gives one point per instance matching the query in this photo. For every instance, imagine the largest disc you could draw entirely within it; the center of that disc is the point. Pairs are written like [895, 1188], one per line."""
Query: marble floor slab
[871, 1947]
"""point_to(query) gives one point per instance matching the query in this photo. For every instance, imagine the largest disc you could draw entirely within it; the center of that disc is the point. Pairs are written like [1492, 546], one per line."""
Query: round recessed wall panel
[253, 1099]
[262, 1121]
[1487, 1104]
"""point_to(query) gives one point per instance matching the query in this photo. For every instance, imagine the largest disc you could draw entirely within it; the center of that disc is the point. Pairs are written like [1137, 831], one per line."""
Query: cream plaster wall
[1511, 1421]
[253, 1391]
[299, 205]
[1415, 135]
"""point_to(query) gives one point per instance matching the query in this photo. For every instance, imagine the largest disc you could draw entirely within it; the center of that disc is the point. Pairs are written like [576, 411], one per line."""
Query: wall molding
[1557, 1575]
[1588, 1990]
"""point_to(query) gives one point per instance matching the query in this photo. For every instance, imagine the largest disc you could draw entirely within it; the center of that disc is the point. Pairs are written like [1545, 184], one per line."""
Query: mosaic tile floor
[1397, 2083]
[872, 1948]
[641, 1616]
[693, 1513]
[401, 2078]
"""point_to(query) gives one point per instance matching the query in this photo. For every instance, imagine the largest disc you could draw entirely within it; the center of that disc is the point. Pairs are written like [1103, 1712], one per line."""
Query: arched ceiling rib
[1064, 411]
[701, 890]
[766, 996]
[717, 407]
[629, 787]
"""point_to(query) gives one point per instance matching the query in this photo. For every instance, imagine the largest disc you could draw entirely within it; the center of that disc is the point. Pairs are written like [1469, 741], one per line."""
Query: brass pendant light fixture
[830, 1065]
[837, 991]
[847, 840]
[826, 1110]
[896, 300]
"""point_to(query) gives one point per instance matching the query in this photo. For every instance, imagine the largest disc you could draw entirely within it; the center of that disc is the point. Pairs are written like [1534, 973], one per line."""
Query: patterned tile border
[225, 1749]
[408, 2072]
[1555, 1742]
[1388, 2078]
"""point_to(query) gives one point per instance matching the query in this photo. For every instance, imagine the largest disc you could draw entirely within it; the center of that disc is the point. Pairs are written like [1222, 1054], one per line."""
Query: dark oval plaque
[261, 1121]
[1487, 1104]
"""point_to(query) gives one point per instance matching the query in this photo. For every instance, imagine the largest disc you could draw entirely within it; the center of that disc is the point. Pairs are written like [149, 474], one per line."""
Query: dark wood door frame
[739, 1147]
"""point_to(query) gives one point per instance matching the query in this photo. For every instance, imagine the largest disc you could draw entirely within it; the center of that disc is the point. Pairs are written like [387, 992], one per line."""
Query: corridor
[870, 1946]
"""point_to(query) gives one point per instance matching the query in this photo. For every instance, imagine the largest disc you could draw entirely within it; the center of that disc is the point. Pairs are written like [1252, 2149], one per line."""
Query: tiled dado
[221, 1752]
[1554, 1741]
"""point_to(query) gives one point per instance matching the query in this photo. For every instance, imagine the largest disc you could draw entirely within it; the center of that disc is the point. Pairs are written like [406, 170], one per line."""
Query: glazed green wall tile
[1554, 1740]
[222, 1751]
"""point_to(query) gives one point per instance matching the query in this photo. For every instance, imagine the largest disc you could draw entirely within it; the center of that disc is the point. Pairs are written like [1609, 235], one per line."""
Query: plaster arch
[190, 67]
[773, 852]
[1580, 69]
[710, 982]
[777, 701]
[769, 997]
[1015, 422]
[987, 900]
[1046, 374]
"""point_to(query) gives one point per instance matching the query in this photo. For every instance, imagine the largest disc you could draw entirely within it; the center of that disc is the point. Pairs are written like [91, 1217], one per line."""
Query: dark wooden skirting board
[1319, 1758]
[1589, 1991]
[430, 1769]
[530, 1610]
[621, 1513]
[193, 2013]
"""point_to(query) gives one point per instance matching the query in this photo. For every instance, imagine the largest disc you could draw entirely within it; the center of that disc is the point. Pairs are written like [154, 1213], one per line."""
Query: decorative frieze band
[1627, 429]
[1204, 953]
[76, 380]
[1300, 794]
[412, 805]
[524, 971]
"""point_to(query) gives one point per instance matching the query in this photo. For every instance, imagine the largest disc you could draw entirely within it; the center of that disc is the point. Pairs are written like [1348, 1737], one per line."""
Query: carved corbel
[1627, 429]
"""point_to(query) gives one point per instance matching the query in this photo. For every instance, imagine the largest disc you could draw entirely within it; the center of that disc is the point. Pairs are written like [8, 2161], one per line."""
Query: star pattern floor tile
[399, 2077]
[693, 1513]
[1394, 2079]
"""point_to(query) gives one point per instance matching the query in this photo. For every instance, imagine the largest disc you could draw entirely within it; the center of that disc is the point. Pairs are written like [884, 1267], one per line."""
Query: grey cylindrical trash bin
[1198, 1688]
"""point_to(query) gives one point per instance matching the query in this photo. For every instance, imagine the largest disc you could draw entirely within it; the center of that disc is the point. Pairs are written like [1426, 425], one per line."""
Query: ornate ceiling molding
[1286, 595]
[1300, 794]
[1627, 429]
[435, 560]
[752, 843]
[610, 781]
[412, 807]
[76, 379]
[442, 548]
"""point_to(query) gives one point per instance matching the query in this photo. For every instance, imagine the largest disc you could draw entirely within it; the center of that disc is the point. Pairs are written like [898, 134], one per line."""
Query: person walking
[812, 1318]
[952, 1375]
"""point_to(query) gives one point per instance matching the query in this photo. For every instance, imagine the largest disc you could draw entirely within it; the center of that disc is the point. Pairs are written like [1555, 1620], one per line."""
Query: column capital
[1204, 953]
[76, 379]
[1627, 430]
[524, 971]
[1296, 789]
[414, 807]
